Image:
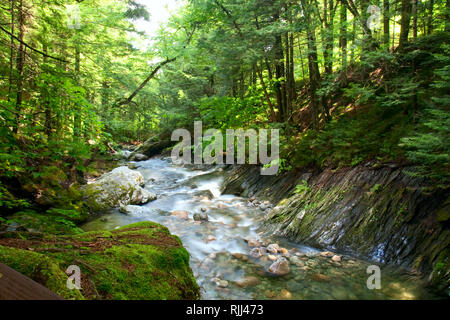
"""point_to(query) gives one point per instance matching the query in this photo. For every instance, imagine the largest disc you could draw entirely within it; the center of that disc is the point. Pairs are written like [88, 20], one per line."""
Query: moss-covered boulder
[138, 261]
[53, 221]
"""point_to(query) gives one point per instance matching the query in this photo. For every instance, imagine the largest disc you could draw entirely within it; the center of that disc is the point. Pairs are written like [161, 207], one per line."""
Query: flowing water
[220, 248]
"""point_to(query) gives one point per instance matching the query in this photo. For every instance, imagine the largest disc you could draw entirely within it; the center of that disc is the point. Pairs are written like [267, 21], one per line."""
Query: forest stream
[231, 257]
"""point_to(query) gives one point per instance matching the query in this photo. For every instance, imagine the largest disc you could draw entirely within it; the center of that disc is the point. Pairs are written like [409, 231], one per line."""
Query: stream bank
[377, 213]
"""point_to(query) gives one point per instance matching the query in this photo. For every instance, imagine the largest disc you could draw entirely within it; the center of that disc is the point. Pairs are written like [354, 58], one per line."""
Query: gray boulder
[138, 157]
[120, 187]
[122, 154]
[133, 210]
[202, 216]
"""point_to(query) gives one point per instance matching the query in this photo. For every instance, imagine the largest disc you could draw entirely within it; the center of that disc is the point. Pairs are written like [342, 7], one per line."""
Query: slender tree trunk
[430, 17]
[393, 35]
[290, 79]
[254, 76]
[386, 15]
[328, 35]
[11, 57]
[301, 57]
[352, 53]
[405, 22]
[360, 17]
[280, 87]
[364, 4]
[414, 14]
[314, 77]
[288, 76]
[20, 66]
[269, 68]
[447, 16]
[343, 36]
[104, 99]
[314, 73]
[266, 94]
[242, 84]
[77, 109]
[46, 102]
[292, 71]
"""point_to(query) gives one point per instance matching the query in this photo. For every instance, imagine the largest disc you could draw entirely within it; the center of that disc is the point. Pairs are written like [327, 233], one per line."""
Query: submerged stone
[182, 214]
[280, 267]
[273, 248]
[256, 252]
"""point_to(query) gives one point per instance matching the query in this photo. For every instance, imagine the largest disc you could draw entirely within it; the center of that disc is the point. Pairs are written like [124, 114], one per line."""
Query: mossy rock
[53, 221]
[138, 261]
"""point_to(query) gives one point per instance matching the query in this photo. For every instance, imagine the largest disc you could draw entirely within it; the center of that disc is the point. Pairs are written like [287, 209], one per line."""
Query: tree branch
[229, 16]
[354, 11]
[130, 98]
[30, 47]
[159, 66]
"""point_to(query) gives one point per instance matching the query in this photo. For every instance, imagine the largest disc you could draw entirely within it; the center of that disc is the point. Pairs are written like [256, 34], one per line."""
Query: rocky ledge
[377, 213]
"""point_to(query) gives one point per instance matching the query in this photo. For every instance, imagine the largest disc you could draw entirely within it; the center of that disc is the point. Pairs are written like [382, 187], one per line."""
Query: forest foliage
[341, 90]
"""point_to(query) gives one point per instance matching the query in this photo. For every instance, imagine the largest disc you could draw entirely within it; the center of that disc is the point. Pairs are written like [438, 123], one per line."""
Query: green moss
[301, 188]
[52, 222]
[375, 188]
[138, 261]
[283, 202]
[443, 214]
[40, 268]
[441, 272]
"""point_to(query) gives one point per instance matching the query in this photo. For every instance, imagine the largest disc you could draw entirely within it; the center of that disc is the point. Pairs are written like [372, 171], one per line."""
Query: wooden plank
[16, 286]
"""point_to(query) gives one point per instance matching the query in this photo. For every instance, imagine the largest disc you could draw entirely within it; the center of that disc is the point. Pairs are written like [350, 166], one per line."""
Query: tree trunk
[301, 57]
[352, 53]
[289, 76]
[405, 22]
[269, 69]
[314, 73]
[292, 71]
[266, 94]
[343, 41]
[328, 35]
[362, 18]
[20, 66]
[46, 102]
[414, 14]
[280, 87]
[386, 14]
[11, 57]
[430, 17]
[447, 16]
[77, 109]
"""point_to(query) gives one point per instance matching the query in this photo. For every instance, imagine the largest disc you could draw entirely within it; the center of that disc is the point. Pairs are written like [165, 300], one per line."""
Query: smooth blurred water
[231, 223]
